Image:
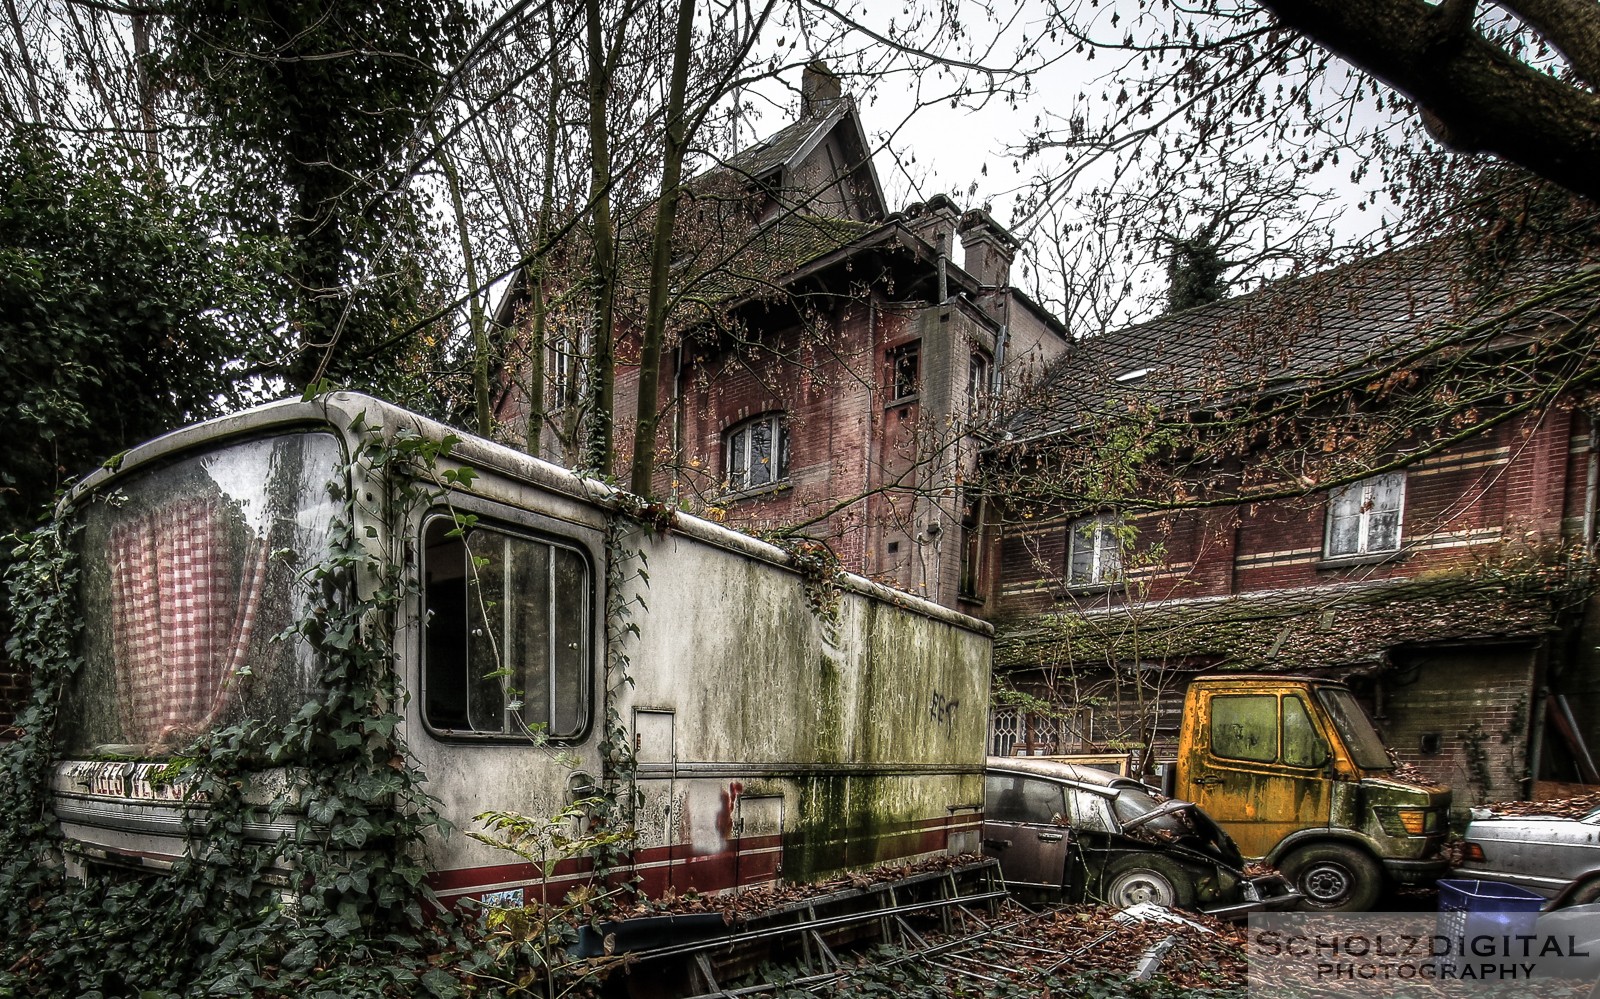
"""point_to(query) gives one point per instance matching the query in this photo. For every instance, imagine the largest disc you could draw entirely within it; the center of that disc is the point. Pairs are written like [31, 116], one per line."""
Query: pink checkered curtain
[182, 617]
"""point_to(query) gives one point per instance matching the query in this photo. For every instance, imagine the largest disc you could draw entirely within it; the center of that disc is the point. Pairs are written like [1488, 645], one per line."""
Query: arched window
[756, 452]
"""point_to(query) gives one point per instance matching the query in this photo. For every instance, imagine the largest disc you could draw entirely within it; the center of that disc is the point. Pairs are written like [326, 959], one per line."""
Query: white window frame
[1105, 564]
[1357, 500]
[1004, 732]
[979, 389]
[736, 444]
[519, 714]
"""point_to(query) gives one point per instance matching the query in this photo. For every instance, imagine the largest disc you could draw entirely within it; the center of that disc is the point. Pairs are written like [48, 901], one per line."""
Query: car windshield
[1593, 818]
[1360, 738]
[1133, 803]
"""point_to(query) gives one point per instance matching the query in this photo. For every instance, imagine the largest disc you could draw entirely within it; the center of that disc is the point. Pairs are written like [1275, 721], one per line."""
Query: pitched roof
[762, 262]
[774, 157]
[1349, 318]
[787, 146]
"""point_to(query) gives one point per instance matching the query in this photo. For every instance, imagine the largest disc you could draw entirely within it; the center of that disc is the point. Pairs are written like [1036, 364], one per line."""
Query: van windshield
[1355, 728]
[189, 570]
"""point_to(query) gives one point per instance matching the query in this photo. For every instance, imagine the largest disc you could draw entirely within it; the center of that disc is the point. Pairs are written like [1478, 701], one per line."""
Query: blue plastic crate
[1469, 909]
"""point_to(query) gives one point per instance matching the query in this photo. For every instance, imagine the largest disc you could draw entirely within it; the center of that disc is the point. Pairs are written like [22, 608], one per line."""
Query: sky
[929, 144]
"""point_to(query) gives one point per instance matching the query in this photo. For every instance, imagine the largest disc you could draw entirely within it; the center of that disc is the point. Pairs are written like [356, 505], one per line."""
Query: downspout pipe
[996, 380]
[1591, 489]
[677, 419]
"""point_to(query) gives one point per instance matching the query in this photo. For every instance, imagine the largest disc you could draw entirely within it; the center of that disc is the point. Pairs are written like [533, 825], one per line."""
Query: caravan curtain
[184, 607]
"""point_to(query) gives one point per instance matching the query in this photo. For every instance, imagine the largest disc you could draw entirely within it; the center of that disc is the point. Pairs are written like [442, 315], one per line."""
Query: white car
[1542, 853]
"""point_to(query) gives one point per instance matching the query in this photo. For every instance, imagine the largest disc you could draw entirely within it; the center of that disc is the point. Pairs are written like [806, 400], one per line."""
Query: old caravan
[770, 738]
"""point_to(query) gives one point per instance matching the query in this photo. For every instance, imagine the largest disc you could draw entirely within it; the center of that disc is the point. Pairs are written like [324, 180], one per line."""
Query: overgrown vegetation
[336, 908]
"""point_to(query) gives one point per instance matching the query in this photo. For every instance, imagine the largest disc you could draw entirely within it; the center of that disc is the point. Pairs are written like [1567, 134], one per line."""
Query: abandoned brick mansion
[1387, 472]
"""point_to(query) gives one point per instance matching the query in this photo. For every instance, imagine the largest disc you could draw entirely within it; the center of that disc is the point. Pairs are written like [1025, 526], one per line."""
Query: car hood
[1202, 834]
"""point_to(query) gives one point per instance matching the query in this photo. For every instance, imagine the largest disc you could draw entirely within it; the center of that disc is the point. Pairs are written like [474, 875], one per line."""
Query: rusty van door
[1259, 764]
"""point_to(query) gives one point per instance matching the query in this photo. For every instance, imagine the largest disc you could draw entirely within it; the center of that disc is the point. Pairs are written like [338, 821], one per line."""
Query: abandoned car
[1542, 853]
[1074, 833]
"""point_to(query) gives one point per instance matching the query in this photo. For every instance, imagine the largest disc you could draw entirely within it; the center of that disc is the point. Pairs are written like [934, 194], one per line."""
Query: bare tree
[1514, 78]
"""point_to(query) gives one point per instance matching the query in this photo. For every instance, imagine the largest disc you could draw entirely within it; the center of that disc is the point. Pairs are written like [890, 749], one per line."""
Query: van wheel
[1334, 877]
[1147, 878]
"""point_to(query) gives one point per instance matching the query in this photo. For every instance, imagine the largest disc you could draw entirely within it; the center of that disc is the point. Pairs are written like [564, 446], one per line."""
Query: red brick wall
[821, 376]
[868, 477]
[1509, 490]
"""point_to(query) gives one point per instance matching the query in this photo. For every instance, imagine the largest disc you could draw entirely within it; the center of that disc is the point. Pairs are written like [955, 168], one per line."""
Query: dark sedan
[1073, 833]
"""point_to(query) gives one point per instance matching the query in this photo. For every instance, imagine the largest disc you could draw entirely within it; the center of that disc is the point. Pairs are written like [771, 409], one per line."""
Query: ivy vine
[338, 907]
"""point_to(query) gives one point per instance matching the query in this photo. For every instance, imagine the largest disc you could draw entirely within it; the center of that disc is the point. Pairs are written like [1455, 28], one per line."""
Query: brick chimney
[820, 90]
[935, 220]
[989, 248]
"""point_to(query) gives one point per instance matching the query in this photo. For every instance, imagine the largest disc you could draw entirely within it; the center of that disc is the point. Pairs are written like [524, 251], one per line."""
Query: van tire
[1334, 877]
[1146, 877]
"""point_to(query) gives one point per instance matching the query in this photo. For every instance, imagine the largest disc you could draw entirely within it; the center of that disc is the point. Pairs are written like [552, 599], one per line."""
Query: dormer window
[756, 453]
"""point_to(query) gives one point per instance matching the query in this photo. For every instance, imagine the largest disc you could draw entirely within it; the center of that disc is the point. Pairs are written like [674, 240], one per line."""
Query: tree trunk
[31, 77]
[483, 419]
[1476, 98]
[536, 268]
[147, 94]
[597, 443]
[677, 142]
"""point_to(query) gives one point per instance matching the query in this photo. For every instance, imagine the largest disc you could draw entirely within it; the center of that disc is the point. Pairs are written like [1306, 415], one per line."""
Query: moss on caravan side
[869, 714]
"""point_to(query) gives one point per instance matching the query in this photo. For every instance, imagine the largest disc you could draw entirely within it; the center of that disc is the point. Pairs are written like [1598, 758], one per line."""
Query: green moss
[830, 727]
[846, 821]
[1326, 626]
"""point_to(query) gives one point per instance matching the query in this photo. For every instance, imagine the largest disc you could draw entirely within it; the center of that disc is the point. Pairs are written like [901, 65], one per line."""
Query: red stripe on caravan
[753, 859]
[461, 879]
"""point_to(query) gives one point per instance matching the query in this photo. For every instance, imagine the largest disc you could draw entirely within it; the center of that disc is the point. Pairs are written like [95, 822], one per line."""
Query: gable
[820, 165]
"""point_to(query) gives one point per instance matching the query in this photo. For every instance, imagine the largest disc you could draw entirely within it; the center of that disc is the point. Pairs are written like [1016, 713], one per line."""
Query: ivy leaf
[324, 810]
[441, 985]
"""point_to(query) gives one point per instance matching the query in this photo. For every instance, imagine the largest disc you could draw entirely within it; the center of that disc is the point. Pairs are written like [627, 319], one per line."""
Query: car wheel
[1334, 877]
[1147, 878]
[1583, 891]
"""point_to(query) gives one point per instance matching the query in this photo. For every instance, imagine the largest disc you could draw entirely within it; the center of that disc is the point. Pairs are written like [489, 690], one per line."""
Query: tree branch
[1572, 27]
[1475, 96]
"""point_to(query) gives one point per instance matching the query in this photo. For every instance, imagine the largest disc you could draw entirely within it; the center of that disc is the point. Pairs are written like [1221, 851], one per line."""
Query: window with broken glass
[904, 373]
[756, 453]
[1364, 517]
[1094, 551]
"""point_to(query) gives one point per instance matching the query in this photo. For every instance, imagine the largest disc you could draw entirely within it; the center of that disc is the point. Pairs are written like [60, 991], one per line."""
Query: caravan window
[506, 648]
[190, 569]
